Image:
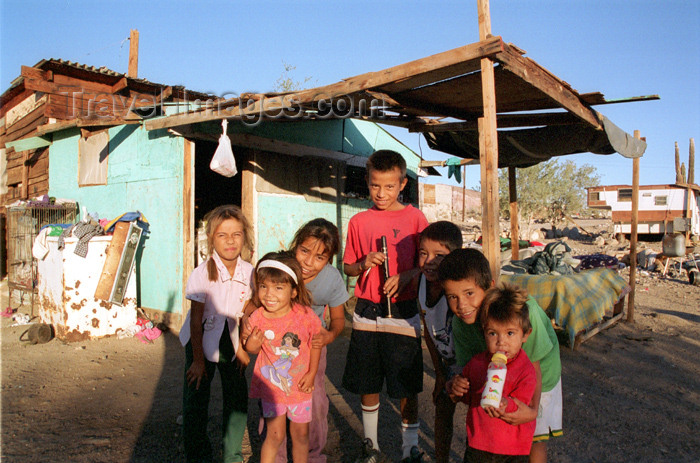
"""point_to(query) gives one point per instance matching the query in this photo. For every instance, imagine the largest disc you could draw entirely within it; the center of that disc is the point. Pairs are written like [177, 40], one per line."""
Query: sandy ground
[631, 393]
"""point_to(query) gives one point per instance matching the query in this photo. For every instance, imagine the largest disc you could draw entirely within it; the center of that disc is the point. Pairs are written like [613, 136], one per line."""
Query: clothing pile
[554, 259]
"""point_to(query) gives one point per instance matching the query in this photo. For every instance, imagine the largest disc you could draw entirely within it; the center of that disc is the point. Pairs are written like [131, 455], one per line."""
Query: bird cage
[23, 225]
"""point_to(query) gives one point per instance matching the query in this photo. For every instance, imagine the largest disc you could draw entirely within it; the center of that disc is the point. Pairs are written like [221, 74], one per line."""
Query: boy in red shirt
[505, 321]
[385, 346]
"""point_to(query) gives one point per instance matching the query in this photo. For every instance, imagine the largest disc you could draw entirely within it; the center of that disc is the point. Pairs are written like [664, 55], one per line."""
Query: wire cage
[23, 225]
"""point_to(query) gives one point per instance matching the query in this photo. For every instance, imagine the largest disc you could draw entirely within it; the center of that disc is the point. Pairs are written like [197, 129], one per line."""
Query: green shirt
[541, 346]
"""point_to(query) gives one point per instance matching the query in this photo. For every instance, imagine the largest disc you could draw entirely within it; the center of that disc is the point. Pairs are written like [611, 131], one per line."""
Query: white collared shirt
[223, 299]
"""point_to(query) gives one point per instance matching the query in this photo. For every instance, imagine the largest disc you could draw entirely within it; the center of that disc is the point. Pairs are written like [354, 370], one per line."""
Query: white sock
[370, 419]
[409, 437]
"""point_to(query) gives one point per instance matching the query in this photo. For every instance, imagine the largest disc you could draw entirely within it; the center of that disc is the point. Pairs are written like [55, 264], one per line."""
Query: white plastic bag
[223, 162]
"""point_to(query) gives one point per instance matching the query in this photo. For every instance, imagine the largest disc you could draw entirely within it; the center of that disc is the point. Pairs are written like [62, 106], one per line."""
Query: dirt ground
[631, 393]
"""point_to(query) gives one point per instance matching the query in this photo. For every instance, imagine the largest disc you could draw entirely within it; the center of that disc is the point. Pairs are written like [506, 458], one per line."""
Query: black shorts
[384, 349]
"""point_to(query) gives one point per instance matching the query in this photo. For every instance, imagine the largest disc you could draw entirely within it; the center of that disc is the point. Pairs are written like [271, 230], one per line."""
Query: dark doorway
[212, 189]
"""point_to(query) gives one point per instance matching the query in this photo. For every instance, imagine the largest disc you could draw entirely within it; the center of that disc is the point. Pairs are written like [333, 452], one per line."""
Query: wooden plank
[188, 216]
[633, 235]
[248, 192]
[25, 175]
[111, 265]
[424, 67]
[133, 54]
[488, 152]
[514, 225]
[531, 72]
[120, 85]
[56, 126]
[34, 73]
[504, 121]
[597, 329]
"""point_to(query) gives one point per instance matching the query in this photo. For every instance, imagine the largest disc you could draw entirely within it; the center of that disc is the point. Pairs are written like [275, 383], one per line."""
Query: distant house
[76, 132]
[445, 202]
[662, 208]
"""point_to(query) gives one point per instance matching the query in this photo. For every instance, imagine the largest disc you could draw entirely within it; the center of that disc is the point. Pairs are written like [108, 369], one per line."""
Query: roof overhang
[441, 96]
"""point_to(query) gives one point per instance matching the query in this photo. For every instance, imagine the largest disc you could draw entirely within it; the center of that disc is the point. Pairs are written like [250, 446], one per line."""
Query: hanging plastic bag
[223, 161]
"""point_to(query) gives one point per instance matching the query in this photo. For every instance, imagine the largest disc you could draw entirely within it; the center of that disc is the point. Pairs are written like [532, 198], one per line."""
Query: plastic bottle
[495, 379]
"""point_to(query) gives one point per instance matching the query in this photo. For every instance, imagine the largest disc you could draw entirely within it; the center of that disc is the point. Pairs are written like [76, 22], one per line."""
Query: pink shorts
[297, 413]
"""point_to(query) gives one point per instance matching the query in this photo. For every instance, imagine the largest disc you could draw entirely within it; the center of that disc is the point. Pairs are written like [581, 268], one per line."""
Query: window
[624, 194]
[594, 196]
[660, 200]
[93, 152]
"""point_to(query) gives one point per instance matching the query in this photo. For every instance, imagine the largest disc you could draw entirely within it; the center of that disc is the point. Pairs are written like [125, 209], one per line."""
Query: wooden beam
[514, 225]
[633, 235]
[540, 78]
[34, 73]
[188, 225]
[133, 54]
[504, 121]
[596, 329]
[488, 152]
[424, 67]
[120, 85]
[56, 126]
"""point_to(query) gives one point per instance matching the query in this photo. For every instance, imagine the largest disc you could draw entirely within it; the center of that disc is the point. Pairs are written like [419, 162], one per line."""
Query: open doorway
[211, 190]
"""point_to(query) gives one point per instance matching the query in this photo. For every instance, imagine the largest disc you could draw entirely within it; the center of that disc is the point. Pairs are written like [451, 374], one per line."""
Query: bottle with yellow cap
[495, 379]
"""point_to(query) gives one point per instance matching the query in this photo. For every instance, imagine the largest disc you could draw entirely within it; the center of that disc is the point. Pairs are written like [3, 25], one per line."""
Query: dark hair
[504, 303]
[386, 160]
[280, 276]
[296, 342]
[216, 217]
[443, 232]
[322, 230]
[466, 264]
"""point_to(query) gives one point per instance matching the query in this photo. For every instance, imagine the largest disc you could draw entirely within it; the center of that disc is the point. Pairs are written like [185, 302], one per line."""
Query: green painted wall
[144, 174]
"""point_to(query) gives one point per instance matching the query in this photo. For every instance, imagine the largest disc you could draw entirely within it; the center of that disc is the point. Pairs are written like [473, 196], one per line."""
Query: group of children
[290, 306]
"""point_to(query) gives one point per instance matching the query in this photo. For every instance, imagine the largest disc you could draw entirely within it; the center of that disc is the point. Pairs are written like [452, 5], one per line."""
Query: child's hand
[196, 372]
[457, 387]
[321, 339]
[306, 383]
[497, 412]
[373, 259]
[254, 340]
[391, 286]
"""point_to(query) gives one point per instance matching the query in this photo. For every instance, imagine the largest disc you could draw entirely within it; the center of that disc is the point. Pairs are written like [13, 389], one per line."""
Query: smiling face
[228, 241]
[276, 297]
[506, 337]
[312, 257]
[385, 187]
[464, 298]
[430, 254]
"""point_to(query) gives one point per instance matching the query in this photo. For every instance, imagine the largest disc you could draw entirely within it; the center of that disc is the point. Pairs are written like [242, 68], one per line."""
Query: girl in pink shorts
[280, 333]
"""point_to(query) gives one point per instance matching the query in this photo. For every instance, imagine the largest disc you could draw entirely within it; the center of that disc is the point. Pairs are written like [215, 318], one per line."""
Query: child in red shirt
[506, 323]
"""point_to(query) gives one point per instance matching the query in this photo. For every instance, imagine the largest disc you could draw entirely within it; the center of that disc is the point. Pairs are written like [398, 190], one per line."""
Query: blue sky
[620, 48]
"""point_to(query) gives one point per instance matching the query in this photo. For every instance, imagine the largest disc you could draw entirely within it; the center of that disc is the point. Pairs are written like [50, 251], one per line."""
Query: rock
[599, 241]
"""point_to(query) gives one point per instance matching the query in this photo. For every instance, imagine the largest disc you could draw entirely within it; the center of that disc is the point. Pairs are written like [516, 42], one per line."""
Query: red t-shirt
[493, 434]
[402, 229]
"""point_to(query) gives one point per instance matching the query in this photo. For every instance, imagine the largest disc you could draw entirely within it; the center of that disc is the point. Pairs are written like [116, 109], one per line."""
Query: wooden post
[133, 54]
[188, 225]
[464, 192]
[689, 192]
[488, 151]
[633, 234]
[514, 225]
